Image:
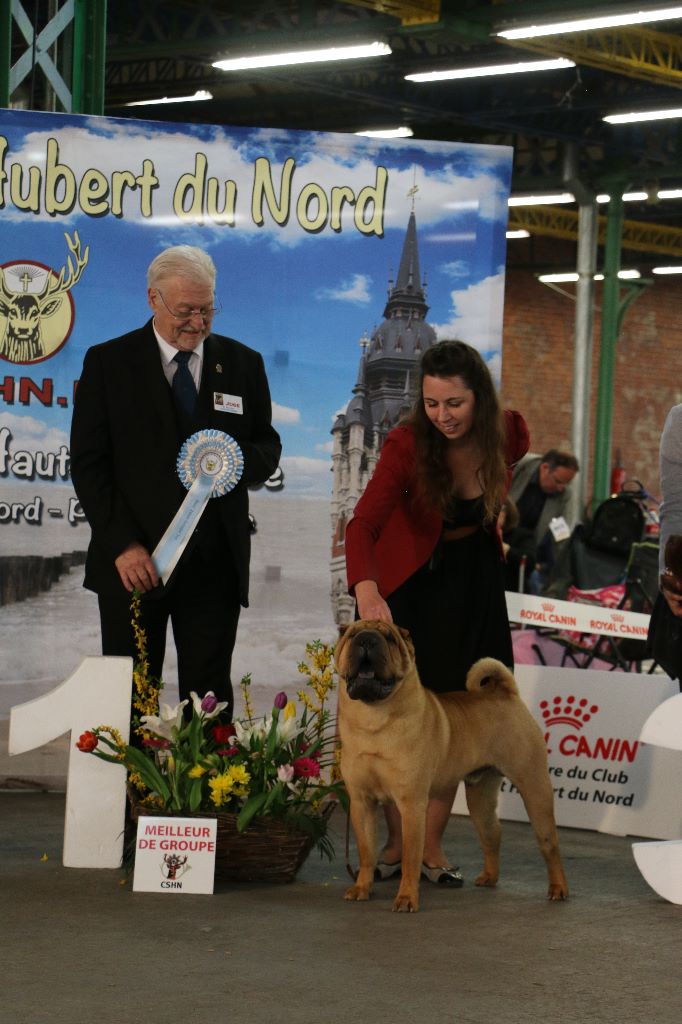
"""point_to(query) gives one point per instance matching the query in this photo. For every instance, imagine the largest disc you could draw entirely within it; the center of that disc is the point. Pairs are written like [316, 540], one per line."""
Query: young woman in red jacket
[424, 550]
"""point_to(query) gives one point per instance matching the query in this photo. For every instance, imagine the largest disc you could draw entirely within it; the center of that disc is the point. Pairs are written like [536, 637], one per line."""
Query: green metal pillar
[89, 54]
[607, 355]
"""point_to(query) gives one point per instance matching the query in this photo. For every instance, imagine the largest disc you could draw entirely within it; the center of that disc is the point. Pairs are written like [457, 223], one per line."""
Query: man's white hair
[182, 261]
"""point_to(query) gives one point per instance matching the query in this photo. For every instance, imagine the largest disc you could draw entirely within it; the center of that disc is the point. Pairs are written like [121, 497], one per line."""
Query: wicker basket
[267, 851]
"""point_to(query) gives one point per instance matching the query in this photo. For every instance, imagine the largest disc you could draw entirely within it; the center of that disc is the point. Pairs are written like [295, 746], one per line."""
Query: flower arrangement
[281, 765]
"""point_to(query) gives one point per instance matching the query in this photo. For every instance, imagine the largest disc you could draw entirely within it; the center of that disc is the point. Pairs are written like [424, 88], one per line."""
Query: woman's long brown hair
[435, 485]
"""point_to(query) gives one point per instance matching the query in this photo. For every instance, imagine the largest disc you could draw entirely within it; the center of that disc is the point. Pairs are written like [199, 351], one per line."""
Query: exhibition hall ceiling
[554, 119]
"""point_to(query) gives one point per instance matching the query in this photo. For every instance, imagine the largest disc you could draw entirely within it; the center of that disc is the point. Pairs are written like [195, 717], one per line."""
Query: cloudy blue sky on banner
[283, 289]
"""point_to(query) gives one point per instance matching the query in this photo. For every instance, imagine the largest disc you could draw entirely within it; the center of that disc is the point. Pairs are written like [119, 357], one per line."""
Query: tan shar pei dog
[403, 743]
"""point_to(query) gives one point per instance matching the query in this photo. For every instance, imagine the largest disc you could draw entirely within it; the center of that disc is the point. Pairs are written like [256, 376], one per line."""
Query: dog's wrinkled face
[373, 657]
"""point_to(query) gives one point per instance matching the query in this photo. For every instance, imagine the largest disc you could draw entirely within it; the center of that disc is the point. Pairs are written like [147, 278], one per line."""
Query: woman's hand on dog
[371, 604]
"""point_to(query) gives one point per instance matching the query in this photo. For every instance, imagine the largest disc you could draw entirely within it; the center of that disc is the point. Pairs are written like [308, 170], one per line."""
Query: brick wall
[537, 367]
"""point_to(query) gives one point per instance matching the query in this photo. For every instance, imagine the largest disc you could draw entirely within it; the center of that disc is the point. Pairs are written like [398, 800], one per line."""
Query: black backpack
[618, 523]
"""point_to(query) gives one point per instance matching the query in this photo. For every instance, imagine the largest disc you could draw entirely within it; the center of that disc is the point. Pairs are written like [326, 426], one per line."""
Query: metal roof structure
[553, 119]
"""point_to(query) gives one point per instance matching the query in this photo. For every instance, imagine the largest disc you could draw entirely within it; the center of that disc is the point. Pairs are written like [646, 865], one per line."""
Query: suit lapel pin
[218, 368]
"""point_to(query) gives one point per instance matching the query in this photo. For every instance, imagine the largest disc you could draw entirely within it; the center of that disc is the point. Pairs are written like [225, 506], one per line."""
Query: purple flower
[209, 703]
[280, 701]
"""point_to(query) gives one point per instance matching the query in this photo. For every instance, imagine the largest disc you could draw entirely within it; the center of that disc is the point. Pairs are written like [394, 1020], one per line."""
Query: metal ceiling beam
[410, 12]
[554, 222]
[636, 52]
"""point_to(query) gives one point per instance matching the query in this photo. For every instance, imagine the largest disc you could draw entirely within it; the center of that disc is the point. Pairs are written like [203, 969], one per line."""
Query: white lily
[168, 718]
[199, 708]
[245, 732]
[286, 730]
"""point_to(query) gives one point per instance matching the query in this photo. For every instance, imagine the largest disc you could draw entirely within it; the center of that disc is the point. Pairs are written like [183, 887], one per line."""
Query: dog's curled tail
[490, 674]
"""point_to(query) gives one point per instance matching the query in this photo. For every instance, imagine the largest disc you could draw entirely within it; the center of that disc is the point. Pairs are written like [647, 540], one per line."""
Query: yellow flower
[239, 774]
[221, 789]
[290, 710]
[197, 771]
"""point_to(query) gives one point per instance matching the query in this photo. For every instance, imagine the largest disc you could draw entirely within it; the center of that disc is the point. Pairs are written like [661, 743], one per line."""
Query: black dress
[454, 606]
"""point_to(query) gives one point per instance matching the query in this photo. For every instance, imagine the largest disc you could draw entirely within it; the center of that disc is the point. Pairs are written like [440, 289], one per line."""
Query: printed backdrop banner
[306, 231]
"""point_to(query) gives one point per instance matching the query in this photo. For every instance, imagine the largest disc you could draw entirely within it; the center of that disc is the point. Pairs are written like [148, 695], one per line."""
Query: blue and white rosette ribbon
[209, 465]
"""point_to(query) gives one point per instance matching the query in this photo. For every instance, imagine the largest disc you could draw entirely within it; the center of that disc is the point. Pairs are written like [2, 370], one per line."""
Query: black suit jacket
[125, 440]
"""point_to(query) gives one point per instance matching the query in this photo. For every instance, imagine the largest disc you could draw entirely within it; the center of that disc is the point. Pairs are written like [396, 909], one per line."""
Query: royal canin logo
[568, 711]
[576, 713]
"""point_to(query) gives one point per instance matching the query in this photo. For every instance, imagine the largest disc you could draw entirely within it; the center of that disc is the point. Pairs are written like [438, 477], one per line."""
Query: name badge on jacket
[228, 403]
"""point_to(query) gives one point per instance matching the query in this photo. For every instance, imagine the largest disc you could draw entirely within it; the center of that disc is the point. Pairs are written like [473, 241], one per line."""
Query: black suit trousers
[203, 607]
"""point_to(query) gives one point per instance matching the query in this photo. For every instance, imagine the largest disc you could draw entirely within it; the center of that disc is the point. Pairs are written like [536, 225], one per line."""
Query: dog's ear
[407, 640]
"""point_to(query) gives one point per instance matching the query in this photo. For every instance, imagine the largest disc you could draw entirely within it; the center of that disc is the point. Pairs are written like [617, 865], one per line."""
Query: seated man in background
[541, 491]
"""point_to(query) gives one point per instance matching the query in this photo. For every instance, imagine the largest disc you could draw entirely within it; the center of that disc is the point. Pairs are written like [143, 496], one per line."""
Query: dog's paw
[406, 903]
[486, 880]
[557, 891]
[357, 892]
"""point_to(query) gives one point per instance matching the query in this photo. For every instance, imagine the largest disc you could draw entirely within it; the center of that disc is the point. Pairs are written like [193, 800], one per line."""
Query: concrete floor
[80, 946]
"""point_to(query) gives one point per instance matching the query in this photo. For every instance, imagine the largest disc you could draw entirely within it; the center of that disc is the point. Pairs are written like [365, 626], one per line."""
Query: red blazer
[384, 541]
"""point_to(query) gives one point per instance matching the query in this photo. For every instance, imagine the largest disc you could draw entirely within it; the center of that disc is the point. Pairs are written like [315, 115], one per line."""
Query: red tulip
[87, 742]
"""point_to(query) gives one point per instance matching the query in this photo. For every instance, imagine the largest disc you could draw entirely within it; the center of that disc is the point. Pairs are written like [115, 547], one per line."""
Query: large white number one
[98, 693]
[661, 862]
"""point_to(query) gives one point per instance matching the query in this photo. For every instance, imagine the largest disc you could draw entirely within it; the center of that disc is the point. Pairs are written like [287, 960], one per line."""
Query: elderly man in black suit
[139, 397]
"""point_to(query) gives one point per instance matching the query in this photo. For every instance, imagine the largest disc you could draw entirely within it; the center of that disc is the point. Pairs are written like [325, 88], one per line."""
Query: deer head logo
[25, 310]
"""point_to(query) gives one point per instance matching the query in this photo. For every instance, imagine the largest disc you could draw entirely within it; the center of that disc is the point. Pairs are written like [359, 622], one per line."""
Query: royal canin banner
[546, 613]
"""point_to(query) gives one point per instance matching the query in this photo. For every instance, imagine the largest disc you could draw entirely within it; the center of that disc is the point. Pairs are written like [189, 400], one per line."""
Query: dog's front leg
[413, 827]
[364, 820]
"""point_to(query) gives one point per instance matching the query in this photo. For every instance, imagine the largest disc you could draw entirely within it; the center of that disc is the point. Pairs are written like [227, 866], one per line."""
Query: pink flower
[228, 751]
[306, 768]
[157, 742]
[285, 772]
[280, 701]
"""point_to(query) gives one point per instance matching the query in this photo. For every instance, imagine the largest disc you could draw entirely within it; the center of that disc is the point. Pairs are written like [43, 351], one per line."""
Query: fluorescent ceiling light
[643, 115]
[521, 233]
[638, 197]
[666, 270]
[388, 133]
[559, 278]
[561, 197]
[201, 94]
[486, 71]
[278, 60]
[585, 24]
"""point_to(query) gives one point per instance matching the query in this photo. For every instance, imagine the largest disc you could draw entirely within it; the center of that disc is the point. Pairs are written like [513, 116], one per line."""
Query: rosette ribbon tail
[167, 552]
[209, 465]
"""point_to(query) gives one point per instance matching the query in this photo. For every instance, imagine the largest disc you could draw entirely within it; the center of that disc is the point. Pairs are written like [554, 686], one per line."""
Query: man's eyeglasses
[187, 313]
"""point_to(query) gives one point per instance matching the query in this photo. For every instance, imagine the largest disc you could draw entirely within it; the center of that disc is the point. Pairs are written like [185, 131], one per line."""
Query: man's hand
[136, 569]
[371, 604]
